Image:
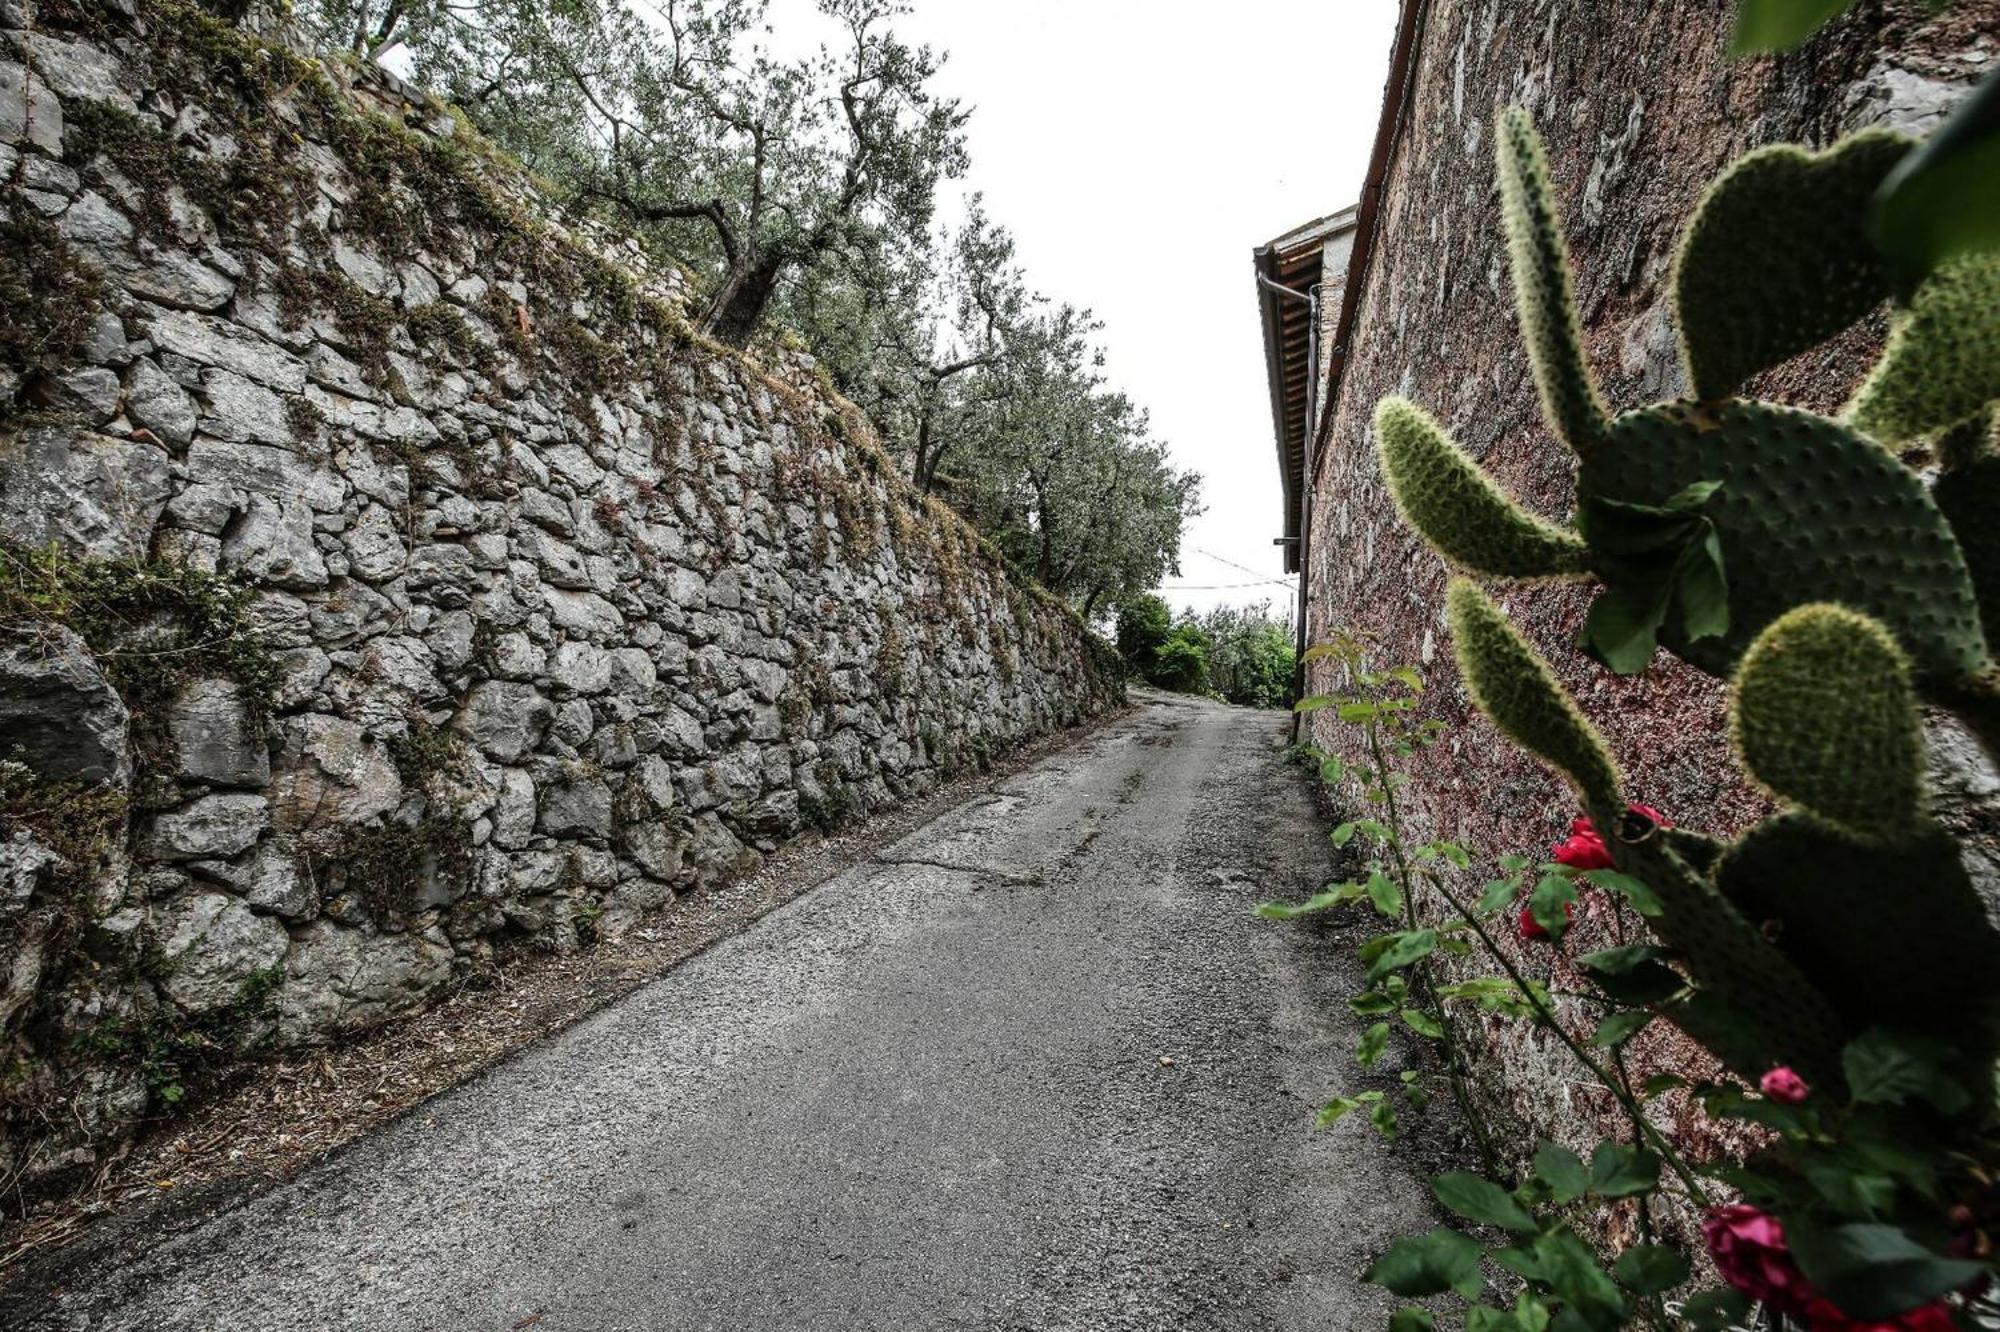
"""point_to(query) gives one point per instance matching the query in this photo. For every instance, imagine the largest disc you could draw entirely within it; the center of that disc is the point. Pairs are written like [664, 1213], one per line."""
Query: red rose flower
[1782, 1084]
[1532, 929]
[1748, 1247]
[1584, 849]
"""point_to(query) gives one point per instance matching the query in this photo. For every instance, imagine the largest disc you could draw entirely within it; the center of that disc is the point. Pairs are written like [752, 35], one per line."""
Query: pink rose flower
[1782, 1084]
[1748, 1246]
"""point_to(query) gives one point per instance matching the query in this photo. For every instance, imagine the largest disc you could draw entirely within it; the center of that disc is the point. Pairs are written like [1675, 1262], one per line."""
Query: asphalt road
[1034, 1066]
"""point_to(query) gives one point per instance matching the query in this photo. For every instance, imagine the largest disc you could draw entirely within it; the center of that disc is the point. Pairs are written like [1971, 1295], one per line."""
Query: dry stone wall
[1640, 107]
[387, 571]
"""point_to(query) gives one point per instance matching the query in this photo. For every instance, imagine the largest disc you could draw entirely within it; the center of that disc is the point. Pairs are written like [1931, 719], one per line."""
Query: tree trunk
[738, 306]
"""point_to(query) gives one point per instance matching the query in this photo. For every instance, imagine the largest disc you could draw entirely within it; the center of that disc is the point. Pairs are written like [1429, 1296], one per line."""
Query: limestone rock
[213, 949]
[58, 714]
[504, 719]
[341, 979]
[215, 739]
[156, 402]
[214, 827]
[273, 543]
[94, 496]
[582, 806]
[29, 110]
[332, 773]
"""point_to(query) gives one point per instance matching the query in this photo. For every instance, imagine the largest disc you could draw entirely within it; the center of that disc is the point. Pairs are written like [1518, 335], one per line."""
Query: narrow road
[1035, 1066]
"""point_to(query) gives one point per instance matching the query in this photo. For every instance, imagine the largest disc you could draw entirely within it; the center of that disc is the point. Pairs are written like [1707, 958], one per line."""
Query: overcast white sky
[1138, 152]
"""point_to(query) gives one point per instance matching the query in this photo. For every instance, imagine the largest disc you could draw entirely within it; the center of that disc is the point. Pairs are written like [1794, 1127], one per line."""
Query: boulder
[331, 772]
[515, 811]
[29, 111]
[273, 543]
[214, 827]
[581, 806]
[341, 979]
[504, 719]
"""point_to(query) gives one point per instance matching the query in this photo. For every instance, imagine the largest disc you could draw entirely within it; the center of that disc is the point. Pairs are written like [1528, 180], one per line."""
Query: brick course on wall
[1639, 107]
[390, 572]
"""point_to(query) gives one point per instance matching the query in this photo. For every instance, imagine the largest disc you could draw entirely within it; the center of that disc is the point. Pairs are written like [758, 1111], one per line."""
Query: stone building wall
[387, 571]
[1639, 107]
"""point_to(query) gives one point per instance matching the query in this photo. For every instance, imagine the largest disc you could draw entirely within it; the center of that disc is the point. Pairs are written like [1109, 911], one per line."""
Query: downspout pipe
[1311, 297]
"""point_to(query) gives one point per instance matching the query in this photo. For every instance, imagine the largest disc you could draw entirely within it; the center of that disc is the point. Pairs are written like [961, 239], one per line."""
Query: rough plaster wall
[570, 612]
[1639, 109]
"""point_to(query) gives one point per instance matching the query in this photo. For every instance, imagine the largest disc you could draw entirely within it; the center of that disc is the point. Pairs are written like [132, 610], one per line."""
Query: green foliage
[1181, 663]
[1779, 25]
[1707, 520]
[1250, 655]
[1542, 287]
[1921, 960]
[1837, 957]
[1777, 258]
[152, 625]
[1444, 495]
[1967, 492]
[1144, 621]
[1942, 364]
[1514, 686]
[1825, 715]
[52, 299]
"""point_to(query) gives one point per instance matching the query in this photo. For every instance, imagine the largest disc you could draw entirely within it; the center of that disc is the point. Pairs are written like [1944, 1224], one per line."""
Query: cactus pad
[1826, 717]
[1542, 287]
[1777, 258]
[1806, 511]
[1892, 932]
[1513, 685]
[1969, 497]
[1780, 1011]
[1942, 364]
[1444, 495]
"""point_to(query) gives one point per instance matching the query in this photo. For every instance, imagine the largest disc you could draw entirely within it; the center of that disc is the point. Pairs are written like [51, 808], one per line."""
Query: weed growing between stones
[174, 1050]
[393, 868]
[53, 300]
[154, 626]
[833, 806]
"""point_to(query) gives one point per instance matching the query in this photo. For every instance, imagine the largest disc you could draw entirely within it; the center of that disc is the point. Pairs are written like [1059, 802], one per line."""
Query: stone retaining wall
[390, 571]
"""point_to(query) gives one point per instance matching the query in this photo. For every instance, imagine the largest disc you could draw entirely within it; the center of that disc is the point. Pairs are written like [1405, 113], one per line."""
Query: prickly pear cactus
[1707, 520]
[1857, 886]
[1775, 1007]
